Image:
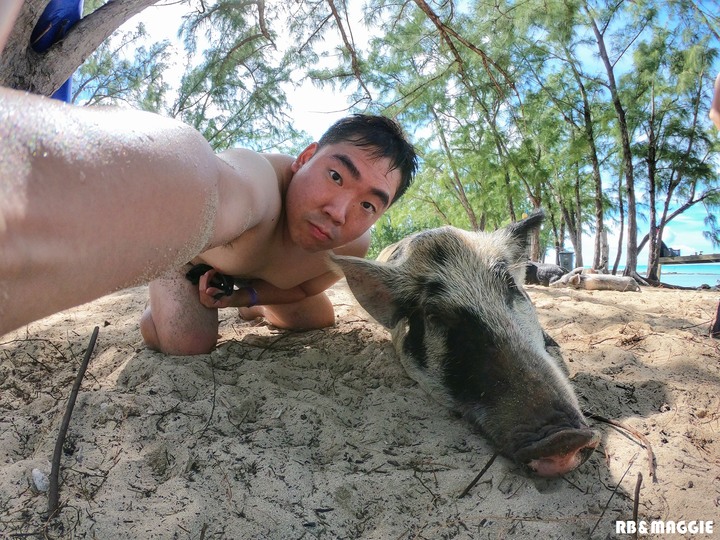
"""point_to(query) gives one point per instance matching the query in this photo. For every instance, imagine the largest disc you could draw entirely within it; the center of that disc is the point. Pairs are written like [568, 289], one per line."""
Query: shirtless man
[300, 210]
[94, 200]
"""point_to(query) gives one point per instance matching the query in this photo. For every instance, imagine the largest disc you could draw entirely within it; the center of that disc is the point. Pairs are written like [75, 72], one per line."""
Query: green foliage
[713, 234]
[508, 103]
[109, 78]
[523, 140]
[232, 90]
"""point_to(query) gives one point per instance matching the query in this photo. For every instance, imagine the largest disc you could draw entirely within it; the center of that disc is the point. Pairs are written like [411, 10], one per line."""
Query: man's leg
[313, 312]
[176, 322]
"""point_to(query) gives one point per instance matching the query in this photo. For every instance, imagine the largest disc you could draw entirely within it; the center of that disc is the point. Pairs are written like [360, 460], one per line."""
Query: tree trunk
[456, 181]
[654, 233]
[599, 263]
[631, 257]
[621, 233]
[24, 69]
[577, 226]
[602, 265]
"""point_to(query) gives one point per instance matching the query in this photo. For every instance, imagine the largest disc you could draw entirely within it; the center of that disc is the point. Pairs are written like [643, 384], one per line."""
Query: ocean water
[688, 275]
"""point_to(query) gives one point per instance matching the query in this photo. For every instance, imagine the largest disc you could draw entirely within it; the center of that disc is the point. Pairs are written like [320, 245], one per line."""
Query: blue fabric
[55, 22]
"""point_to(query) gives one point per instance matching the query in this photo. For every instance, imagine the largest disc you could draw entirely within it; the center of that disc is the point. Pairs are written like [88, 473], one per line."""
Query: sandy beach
[322, 435]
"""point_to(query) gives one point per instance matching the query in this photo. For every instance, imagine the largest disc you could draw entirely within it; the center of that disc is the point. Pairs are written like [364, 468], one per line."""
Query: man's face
[336, 193]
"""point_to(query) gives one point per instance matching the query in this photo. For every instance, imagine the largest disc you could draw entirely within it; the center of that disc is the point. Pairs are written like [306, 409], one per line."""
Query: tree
[600, 21]
[676, 146]
[539, 125]
[24, 69]
[233, 89]
[507, 102]
[107, 77]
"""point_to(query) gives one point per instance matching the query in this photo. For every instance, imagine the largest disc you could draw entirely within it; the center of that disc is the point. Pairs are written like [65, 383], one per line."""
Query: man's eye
[336, 177]
[369, 207]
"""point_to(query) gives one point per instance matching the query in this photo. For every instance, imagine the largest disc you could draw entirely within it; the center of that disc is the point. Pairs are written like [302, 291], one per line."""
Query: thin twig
[477, 478]
[645, 442]
[636, 502]
[54, 490]
[611, 496]
[212, 409]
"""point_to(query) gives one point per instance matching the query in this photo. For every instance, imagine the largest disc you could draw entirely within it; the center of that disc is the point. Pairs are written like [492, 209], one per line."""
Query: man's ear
[304, 157]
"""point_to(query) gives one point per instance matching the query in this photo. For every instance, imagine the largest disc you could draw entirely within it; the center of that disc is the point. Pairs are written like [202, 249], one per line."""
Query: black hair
[386, 139]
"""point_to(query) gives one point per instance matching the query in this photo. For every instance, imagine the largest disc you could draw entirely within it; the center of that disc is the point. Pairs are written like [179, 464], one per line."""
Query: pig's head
[467, 332]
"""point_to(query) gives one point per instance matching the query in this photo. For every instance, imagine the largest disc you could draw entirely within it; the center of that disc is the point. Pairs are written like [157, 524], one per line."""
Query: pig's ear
[520, 231]
[373, 284]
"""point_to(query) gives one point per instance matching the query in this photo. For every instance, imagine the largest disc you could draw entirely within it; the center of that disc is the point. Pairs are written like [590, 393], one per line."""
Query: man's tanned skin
[93, 200]
[324, 200]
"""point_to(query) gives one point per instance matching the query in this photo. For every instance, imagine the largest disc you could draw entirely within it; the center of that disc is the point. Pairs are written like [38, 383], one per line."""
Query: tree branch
[45, 73]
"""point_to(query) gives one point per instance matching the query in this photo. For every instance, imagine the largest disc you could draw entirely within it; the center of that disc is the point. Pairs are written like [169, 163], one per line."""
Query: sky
[314, 110]
[683, 233]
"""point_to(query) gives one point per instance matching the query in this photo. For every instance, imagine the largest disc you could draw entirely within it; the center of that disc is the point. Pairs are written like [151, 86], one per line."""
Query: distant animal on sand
[542, 273]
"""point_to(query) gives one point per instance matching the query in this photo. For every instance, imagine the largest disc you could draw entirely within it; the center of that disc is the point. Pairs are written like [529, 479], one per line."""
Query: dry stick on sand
[477, 478]
[611, 496]
[54, 490]
[636, 502]
[645, 442]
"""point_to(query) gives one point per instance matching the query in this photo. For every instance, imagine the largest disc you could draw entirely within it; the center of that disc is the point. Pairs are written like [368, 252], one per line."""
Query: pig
[467, 332]
[542, 273]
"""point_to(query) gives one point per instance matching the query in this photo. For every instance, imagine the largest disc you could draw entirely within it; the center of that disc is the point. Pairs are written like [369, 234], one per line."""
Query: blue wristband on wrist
[253, 296]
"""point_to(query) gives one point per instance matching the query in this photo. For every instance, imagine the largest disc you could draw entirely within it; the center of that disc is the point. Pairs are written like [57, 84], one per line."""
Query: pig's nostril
[586, 452]
[560, 453]
[563, 463]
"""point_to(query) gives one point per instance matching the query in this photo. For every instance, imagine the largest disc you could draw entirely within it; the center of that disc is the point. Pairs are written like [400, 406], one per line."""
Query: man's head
[383, 137]
[342, 184]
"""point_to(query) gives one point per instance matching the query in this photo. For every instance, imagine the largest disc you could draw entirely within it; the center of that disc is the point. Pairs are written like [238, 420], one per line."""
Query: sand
[322, 435]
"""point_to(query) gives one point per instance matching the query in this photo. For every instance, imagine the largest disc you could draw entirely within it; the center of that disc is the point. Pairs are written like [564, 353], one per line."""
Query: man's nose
[337, 209]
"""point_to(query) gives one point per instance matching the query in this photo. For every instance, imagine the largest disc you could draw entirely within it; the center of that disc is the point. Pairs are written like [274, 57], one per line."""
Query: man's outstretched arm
[96, 199]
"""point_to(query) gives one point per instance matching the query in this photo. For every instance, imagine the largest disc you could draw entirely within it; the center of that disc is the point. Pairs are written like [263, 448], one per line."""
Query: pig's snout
[560, 452]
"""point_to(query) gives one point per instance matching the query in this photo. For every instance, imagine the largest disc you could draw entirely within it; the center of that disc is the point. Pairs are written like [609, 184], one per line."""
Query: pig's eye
[510, 282]
[505, 276]
[439, 316]
[433, 318]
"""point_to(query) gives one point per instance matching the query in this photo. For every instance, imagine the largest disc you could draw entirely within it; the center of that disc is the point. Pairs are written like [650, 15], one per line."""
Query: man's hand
[212, 296]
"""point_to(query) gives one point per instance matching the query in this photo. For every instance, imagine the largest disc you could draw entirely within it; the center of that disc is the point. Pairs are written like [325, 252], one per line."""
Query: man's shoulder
[251, 182]
[281, 163]
[357, 248]
[244, 159]
[273, 169]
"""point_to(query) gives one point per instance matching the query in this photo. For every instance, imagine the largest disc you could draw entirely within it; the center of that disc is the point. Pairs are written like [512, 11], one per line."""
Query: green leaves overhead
[594, 110]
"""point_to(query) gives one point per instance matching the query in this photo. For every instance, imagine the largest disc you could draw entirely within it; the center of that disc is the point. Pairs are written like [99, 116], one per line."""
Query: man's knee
[148, 331]
[187, 344]
[324, 317]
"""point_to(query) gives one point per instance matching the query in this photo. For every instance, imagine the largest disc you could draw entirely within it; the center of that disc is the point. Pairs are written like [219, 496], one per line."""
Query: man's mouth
[320, 233]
